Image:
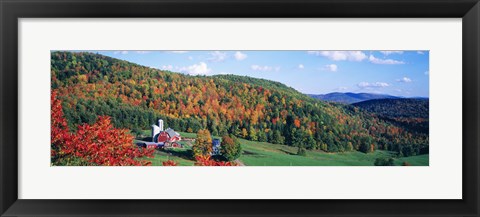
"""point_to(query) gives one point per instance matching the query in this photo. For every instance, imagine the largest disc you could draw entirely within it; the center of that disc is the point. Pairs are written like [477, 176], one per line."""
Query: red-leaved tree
[207, 161]
[169, 163]
[97, 144]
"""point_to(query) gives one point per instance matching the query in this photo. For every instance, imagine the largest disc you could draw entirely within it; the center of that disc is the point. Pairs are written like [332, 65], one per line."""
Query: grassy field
[176, 155]
[267, 154]
[179, 155]
[420, 160]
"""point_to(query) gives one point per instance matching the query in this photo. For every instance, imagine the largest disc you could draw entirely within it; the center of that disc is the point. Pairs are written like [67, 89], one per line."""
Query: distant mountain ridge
[350, 98]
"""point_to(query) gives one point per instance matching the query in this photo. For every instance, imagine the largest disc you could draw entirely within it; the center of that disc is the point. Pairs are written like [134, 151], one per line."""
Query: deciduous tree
[96, 144]
[230, 148]
[203, 143]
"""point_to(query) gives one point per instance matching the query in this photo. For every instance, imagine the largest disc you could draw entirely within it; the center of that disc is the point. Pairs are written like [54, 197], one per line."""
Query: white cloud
[262, 68]
[301, 66]
[178, 51]
[217, 56]
[427, 72]
[330, 67]
[375, 60]
[142, 51]
[190, 58]
[121, 52]
[196, 69]
[374, 85]
[240, 56]
[167, 67]
[341, 55]
[404, 80]
[420, 52]
[388, 52]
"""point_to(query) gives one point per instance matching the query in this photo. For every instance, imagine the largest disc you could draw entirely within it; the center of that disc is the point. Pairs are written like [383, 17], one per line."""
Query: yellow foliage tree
[244, 133]
[203, 143]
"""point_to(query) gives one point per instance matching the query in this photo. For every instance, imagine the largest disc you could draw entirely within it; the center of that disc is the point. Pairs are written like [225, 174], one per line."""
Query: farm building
[161, 136]
[174, 136]
[215, 147]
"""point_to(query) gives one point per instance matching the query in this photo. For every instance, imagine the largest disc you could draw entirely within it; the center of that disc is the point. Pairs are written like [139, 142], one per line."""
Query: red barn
[168, 135]
[173, 136]
[162, 137]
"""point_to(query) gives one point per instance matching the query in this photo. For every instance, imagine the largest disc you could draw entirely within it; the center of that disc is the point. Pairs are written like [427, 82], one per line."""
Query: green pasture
[268, 154]
[419, 160]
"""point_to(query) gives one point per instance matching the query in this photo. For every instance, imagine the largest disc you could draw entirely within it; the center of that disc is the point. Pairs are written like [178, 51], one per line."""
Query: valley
[267, 154]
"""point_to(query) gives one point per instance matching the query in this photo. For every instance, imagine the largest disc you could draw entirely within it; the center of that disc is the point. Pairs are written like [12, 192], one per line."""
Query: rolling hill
[349, 98]
[411, 113]
[254, 109]
[395, 108]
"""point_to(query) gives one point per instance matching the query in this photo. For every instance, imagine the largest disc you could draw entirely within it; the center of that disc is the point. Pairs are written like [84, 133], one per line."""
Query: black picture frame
[12, 10]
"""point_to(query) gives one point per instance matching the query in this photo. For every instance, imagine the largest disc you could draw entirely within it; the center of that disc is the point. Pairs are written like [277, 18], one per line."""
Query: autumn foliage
[96, 144]
[203, 143]
[230, 148]
[246, 107]
[169, 163]
[207, 161]
[202, 161]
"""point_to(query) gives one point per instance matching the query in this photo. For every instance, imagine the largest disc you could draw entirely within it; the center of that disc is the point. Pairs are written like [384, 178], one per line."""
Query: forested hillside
[409, 113]
[255, 109]
[397, 108]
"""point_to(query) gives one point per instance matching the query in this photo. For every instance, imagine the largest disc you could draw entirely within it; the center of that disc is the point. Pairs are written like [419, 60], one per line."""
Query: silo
[160, 124]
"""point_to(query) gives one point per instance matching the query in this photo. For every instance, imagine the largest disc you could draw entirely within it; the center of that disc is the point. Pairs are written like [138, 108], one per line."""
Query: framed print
[261, 108]
[276, 122]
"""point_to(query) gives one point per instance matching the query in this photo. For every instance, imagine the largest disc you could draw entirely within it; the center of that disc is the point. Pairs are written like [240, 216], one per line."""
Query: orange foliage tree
[97, 144]
[230, 148]
[169, 163]
[203, 143]
[207, 161]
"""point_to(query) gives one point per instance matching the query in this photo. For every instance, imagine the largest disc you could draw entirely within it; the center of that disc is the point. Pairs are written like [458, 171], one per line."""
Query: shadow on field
[145, 138]
[252, 154]
[185, 154]
[287, 152]
[141, 144]
[188, 154]
[249, 153]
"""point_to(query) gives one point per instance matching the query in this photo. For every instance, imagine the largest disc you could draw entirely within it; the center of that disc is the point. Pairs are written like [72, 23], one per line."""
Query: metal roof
[171, 132]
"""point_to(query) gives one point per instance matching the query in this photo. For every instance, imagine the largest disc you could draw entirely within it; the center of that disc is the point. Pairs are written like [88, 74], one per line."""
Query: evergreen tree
[262, 136]
[277, 138]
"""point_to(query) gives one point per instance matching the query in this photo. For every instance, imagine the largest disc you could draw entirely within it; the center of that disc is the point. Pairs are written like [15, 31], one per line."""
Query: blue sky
[399, 73]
